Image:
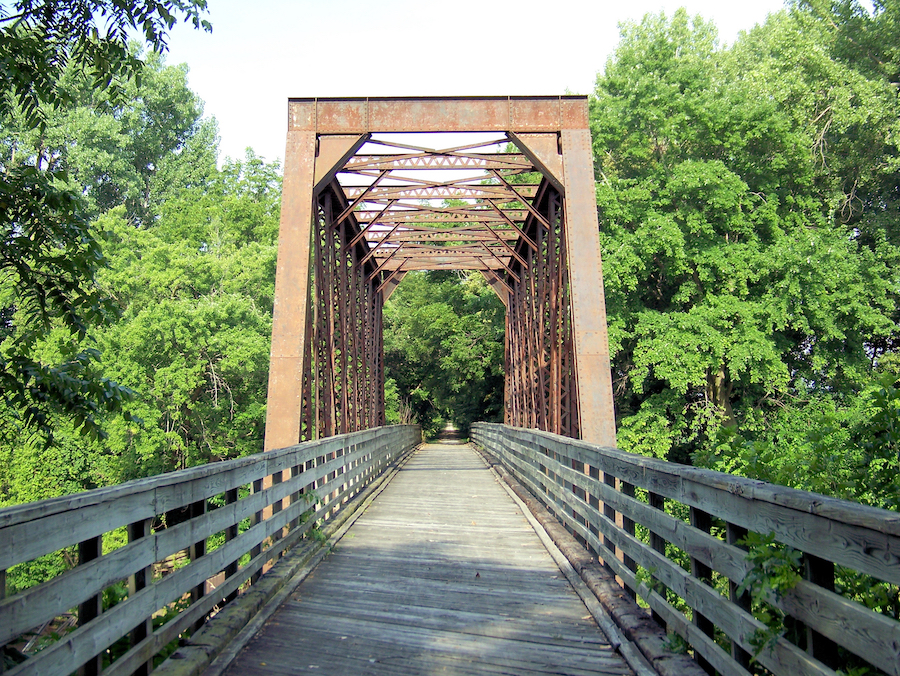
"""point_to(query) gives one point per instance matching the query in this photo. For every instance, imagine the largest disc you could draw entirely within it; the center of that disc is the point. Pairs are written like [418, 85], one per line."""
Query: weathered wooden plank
[872, 636]
[101, 632]
[856, 628]
[859, 537]
[661, 473]
[679, 624]
[146, 649]
[436, 575]
[697, 595]
[783, 657]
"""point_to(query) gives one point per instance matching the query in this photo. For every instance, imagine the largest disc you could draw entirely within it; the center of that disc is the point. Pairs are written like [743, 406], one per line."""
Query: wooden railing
[677, 537]
[226, 520]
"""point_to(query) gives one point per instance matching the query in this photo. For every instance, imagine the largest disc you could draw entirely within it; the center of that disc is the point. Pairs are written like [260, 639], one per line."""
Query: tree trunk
[718, 391]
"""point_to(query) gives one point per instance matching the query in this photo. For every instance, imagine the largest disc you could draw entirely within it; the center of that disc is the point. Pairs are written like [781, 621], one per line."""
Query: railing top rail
[29, 511]
[673, 480]
[235, 526]
[74, 518]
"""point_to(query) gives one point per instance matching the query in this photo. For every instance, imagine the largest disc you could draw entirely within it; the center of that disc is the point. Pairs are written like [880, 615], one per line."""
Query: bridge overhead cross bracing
[375, 188]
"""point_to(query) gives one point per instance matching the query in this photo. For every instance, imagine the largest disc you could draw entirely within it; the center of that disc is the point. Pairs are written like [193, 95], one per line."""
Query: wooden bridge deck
[442, 575]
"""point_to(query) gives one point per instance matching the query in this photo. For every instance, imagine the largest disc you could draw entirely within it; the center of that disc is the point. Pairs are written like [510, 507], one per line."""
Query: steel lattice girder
[360, 208]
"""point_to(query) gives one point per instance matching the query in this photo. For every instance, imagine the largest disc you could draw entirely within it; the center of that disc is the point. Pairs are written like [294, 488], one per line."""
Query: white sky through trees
[263, 52]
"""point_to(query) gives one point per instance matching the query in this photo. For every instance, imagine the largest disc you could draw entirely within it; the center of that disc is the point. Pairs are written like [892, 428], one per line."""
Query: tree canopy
[59, 166]
[443, 344]
[749, 222]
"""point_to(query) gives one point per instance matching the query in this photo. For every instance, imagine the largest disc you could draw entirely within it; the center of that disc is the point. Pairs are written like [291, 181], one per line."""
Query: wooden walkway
[442, 575]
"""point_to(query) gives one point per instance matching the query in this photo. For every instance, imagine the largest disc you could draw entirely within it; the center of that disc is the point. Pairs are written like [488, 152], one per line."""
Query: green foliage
[845, 450]
[775, 570]
[195, 292]
[40, 39]
[443, 343]
[48, 262]
[737, 280]
[49, 253]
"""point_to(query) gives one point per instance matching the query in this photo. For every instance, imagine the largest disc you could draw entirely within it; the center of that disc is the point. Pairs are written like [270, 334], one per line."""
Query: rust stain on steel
[544, 152]
[588, 303]
[368, 207]
[332, 154]
[430, 114]
[291, 290]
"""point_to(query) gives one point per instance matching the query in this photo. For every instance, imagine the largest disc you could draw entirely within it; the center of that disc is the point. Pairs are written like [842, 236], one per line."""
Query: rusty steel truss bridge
[464, 558]
[375, 188]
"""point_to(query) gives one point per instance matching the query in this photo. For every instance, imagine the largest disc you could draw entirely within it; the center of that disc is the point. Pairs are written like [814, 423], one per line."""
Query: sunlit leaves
[732, 279]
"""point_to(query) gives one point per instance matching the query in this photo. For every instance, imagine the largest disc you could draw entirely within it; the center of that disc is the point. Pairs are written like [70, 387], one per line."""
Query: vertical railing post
[658, 544]
[277, 506]
[231, 497]
[2, 596]
[701, 571]
[609, 512]
[590, 498]
[255, 521]
[296, 496]
[90, 608]
[197, 550]
[733, 535]
[628, 526]
[140, 580]
[820, 572]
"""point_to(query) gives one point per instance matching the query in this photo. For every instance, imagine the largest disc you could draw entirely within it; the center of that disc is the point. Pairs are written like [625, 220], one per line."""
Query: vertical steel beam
[594, 382]
[291, 292]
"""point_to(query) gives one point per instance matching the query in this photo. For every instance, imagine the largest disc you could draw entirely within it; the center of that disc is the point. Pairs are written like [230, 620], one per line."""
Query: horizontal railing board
[870, 635]
[78, 647]
[679, 624]
[61, 526]
[884, 633]
[733, 621]
[34, 606]
[844, 621]
[543, 462]
[804, 501]
[361, 457]
[168, 632]
[64, 521]
[34, 510]
[848, 535]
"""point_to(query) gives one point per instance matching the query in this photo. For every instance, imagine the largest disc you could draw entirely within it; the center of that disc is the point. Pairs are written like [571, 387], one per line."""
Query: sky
[261, 53]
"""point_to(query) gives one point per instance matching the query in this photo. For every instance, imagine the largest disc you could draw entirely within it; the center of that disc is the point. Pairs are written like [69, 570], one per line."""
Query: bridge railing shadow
[677, 537]
[195, 539]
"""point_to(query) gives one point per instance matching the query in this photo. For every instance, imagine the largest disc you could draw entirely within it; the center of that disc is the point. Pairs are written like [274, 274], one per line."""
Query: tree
[49, 254]
[733, 286]
[443, 344]
[196, 294]
[40, 39]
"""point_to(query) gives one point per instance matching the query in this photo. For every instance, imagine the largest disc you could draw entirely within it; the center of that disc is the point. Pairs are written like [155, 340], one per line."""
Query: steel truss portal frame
[510, 195]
